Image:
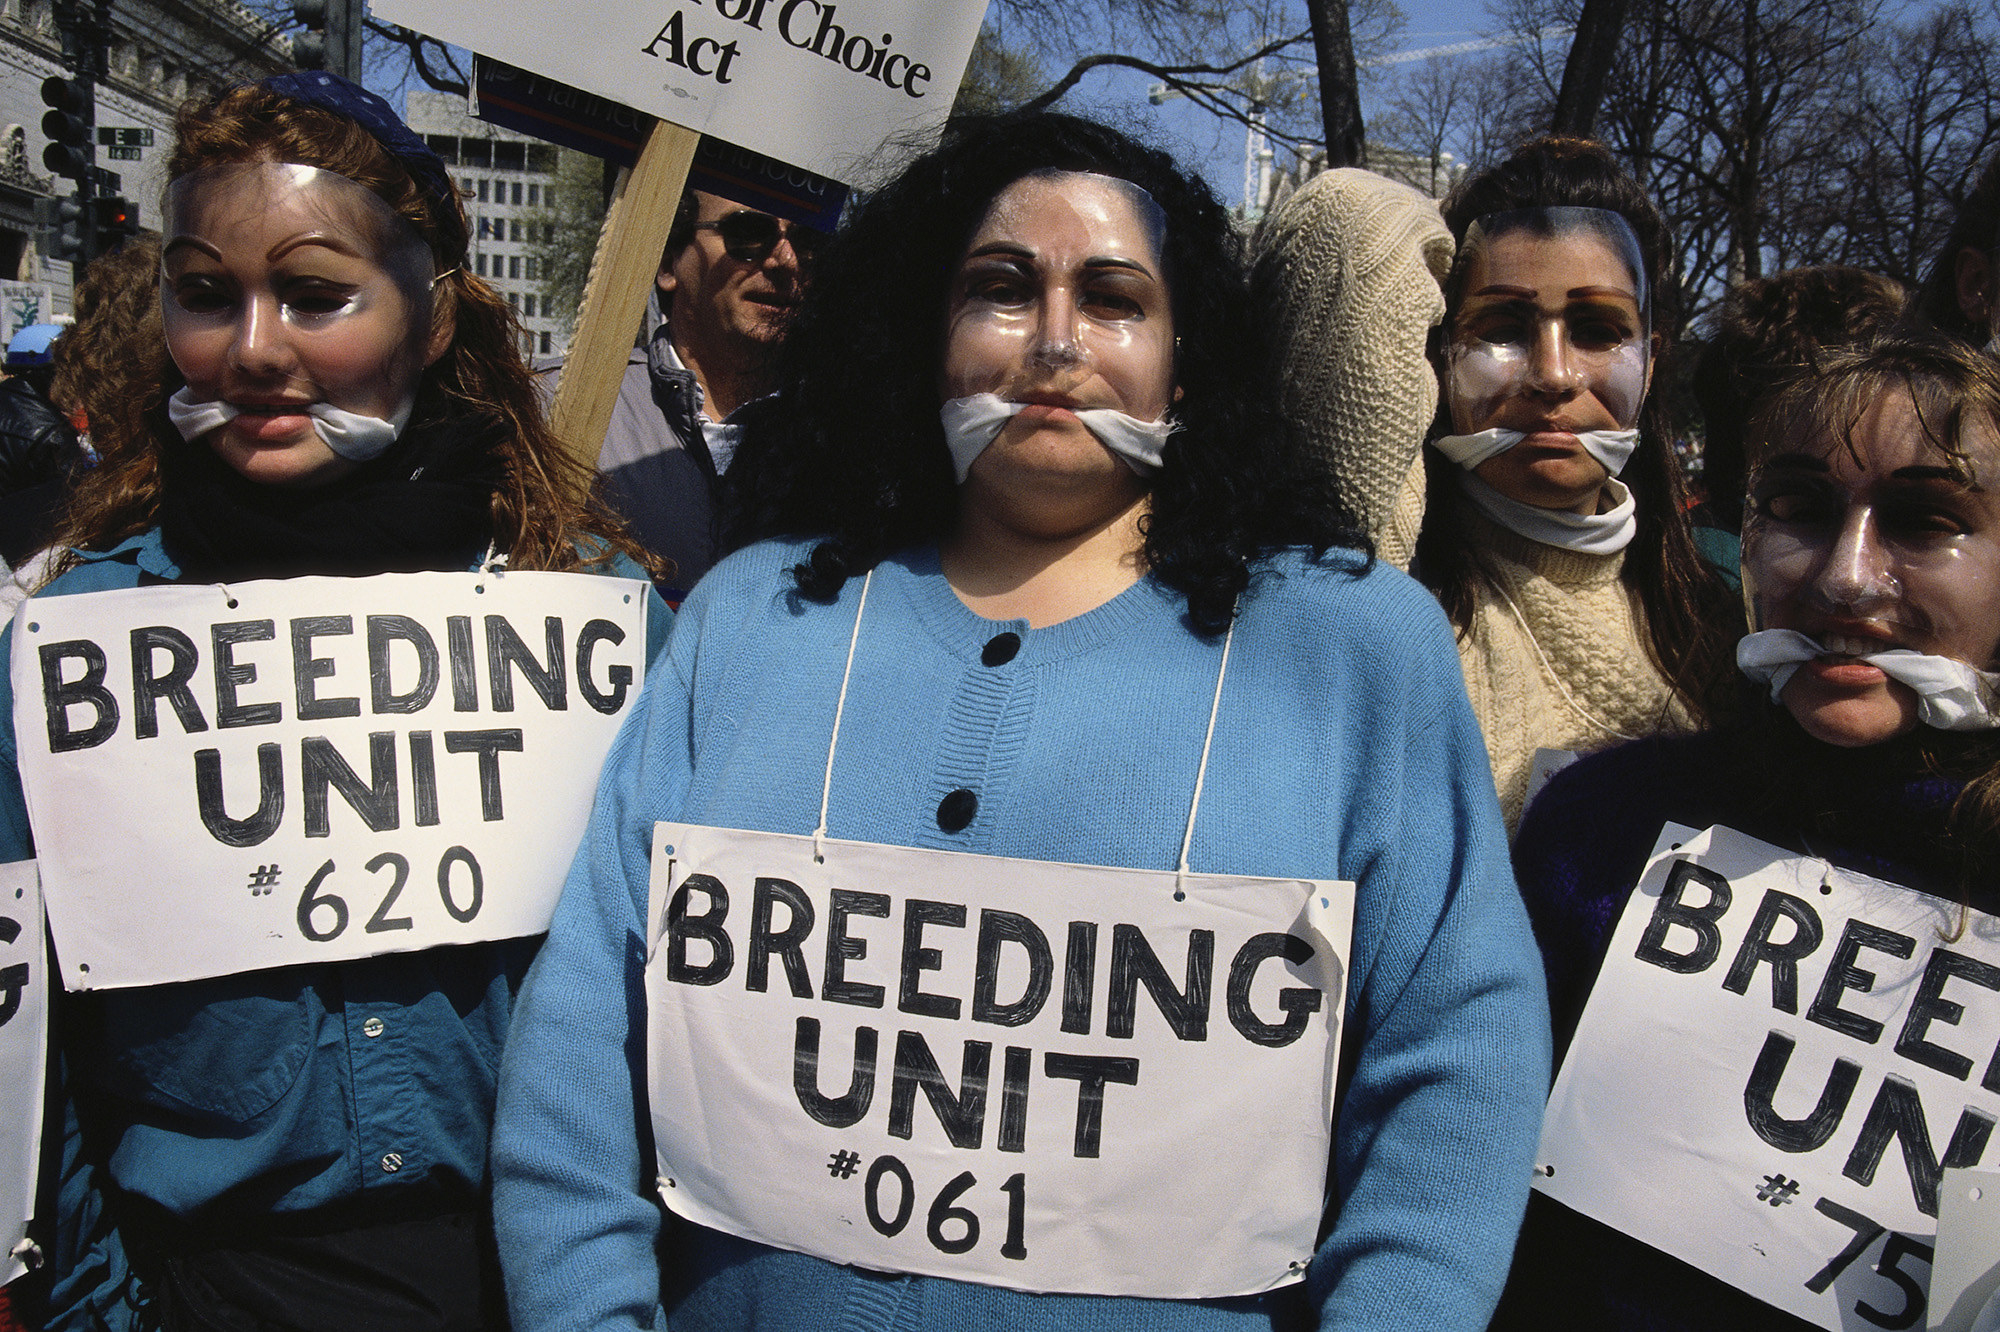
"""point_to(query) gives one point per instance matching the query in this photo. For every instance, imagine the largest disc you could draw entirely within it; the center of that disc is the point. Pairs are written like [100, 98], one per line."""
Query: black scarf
[425, 504]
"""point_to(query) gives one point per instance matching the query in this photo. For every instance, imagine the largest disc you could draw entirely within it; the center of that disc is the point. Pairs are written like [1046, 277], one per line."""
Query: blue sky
[1216, 148]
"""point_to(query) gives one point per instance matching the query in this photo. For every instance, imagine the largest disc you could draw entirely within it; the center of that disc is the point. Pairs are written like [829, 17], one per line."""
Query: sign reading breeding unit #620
[819, 84]
[313, 769]
[1041, 1076]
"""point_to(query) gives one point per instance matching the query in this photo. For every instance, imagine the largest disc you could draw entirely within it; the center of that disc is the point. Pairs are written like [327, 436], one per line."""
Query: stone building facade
[506, 178]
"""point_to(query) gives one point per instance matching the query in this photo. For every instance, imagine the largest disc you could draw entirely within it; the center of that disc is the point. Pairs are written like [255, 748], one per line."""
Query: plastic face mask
[1554, 325]
[286, 289]
[1061, 302]
[1880, 547]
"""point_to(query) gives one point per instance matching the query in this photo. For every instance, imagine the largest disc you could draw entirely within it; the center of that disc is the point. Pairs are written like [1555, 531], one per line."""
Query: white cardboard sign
[1777, 1062]
[313, 769]
[1024, 1074]
[819, 84]
[24, 1027]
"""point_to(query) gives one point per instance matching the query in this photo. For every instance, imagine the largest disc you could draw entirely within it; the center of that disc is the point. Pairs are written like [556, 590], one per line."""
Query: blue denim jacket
[225, 1100]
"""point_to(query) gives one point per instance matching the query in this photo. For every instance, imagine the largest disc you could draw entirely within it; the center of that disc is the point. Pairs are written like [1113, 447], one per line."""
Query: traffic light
[60, 230]
[68, 124]
[113, 220]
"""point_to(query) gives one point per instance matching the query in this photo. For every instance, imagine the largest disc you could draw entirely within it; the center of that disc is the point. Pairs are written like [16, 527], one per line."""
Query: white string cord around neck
[1201, 772]
[1549, 669]
[840, 710]
[840, 707]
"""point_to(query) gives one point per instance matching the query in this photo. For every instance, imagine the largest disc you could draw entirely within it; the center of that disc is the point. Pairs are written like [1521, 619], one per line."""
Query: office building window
[534, 195]
[482, 189]
[479, 264]
[517, 191]
[514, 266]
[528, 306]
[545, 342]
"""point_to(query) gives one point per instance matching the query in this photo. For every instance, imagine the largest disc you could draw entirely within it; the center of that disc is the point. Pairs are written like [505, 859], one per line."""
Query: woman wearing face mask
[1039, 597]
[1550, 520]
[1871, 569]
[302, 1147]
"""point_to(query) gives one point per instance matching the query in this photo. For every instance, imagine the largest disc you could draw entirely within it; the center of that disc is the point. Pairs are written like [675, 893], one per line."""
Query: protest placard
[24, 1027]
[1041, 1076]
[538, 105]
[313, 769]
[818, 84]
[1778, 1061]
[24, 303]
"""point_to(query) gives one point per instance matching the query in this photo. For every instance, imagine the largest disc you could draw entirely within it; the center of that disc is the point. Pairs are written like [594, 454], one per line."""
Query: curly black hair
[852, 451]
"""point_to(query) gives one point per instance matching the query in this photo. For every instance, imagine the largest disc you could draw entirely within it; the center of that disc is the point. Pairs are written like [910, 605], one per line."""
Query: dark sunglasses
[750, 237]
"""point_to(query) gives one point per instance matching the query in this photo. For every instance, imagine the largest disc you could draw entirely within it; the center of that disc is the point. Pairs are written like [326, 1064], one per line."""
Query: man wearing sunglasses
[728, 280]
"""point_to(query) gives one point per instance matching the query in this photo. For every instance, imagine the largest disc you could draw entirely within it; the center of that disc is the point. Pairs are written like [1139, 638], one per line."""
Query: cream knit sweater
[1556, 657]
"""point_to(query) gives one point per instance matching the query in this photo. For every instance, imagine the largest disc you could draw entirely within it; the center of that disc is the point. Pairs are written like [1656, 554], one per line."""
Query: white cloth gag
[353, 436]
[1613, 448]
[1585, 533]
[970, 424]
[1951, 695]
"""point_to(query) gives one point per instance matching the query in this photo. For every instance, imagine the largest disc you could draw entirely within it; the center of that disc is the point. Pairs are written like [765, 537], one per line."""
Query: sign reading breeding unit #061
[313, 769]
[1778, 1064]
[819, 84]
[978, 1067]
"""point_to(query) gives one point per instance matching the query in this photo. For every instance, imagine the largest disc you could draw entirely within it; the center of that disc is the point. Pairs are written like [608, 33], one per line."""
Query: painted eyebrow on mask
[1917, 472]
[321, 239]
[192, 243]
[1574, 294]
[1095, 262]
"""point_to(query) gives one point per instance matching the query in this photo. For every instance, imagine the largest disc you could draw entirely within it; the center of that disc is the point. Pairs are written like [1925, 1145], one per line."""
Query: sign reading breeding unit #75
[1041, 1076]
[313, 769]
[820, 84]
[1778, 1063]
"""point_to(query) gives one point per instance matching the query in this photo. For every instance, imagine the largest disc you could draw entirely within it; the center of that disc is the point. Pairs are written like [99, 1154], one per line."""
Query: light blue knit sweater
[1344, 750]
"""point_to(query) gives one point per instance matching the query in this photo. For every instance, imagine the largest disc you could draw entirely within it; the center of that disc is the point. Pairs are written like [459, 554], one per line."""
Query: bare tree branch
[1174, 76]
[422, 51]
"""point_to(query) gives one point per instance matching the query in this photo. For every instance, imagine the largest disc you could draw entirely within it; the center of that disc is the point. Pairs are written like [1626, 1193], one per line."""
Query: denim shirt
[222, 1101]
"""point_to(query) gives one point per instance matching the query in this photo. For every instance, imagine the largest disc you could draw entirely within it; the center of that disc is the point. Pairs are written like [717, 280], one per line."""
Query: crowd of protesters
[1025, 530]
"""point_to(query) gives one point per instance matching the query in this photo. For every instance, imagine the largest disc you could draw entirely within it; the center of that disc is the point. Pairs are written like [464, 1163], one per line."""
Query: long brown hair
[1689, 611]
[108, 362]
[545, 511]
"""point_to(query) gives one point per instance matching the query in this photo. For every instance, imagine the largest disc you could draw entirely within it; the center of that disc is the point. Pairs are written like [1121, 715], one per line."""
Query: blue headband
[330, 92]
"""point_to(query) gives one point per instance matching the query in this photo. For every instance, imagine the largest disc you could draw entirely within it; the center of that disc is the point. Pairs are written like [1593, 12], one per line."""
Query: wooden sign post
[628, 258]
